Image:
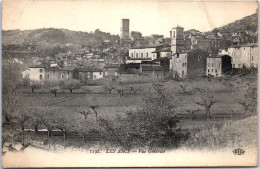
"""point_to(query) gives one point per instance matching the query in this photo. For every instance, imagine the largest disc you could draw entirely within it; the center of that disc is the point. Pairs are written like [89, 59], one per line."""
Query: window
[199, 57]
[48, 76]
[132, 55]
[40, 76]
[53, 72]
[41, 70]
[142, 55]
[147, 54]
[95, 76]
[68, 72]
[216, 71]
[185, 56]
[137, 55]
[173, 34]
[208, 64]
[183, 65]
[208, 70]
[100, 73]
[211, 70]
[212, 64]
[62, 76]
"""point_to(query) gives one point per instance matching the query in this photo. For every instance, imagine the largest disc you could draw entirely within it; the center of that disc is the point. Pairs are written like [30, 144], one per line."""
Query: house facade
[217, 65]
[244, 56]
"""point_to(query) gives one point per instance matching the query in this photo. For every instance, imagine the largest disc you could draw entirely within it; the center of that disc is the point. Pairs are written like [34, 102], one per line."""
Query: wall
[35, 73]
[214, 66]
[179, 62]
[142, 53]
[244, 56]
[97, 75]
[196, 63]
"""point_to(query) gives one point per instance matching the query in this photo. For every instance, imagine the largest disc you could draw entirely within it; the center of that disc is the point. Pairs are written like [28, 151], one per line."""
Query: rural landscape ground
[73, 123]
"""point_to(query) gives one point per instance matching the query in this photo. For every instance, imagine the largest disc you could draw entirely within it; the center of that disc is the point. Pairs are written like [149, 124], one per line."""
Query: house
[244, 55]
[189, 64]
[37, 73]
[111, 70]
[151, 70]
[217, 65]
[58, 73]
[89, 73]
[131, 70]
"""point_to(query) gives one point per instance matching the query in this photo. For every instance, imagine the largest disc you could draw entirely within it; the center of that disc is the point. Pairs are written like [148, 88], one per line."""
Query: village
[182, 55]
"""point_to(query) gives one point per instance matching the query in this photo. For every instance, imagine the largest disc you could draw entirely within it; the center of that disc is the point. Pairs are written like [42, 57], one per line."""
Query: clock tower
[177, 39]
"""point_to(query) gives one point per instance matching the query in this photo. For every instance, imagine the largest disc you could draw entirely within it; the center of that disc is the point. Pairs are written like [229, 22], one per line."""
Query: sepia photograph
[149, 83]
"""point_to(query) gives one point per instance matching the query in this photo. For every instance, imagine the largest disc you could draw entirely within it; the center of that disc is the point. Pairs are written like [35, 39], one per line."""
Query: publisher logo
[239, 151]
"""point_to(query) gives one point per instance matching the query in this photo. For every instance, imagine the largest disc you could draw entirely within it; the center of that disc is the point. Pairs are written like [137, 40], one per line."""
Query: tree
[65, 121]
[20, 116]
[11, 81]
[249, 100]
[109, 85]
[86, 125]
[35, 85]
[48, 119]
[71, 85]
[53, 87]
[153, 125]
[34, 114]
[206, 92]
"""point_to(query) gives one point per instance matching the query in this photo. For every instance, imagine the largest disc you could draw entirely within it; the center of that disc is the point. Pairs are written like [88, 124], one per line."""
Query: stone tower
[177, 39]
[124, 29]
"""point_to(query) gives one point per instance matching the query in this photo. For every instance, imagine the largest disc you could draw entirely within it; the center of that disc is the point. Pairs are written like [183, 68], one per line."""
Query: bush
[153, 125]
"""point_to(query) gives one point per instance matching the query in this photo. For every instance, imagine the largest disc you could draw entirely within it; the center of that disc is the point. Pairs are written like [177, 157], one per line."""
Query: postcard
[89, 83]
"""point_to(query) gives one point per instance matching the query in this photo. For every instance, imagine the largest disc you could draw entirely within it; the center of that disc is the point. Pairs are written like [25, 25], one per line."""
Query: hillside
[63, 37]
[248, 23]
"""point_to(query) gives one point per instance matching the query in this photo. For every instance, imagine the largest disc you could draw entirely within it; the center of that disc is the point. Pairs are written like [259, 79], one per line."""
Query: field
[68, 128]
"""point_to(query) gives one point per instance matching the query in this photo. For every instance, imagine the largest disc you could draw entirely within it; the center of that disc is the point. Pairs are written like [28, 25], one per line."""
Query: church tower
[177, 39]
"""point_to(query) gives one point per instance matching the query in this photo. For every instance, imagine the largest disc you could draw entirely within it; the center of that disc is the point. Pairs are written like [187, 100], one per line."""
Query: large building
[217, 65]
[139, 54]
[244, 56]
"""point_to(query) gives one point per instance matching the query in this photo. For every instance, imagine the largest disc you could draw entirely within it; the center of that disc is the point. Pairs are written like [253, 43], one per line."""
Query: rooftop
[89, 69]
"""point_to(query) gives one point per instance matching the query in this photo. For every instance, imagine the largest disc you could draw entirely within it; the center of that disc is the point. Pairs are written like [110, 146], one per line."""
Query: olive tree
[71, 84]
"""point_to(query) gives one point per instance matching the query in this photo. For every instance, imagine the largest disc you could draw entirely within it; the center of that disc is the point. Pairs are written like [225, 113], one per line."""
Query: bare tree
[206, 93]
[35, 85]
[71, 85]
[11, 81]
[109, 85]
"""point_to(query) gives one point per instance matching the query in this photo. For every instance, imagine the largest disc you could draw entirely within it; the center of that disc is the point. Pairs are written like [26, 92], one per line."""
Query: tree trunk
[207, 111]
[36, 129]
[84, 138]
[64, 135]
[22, 126]
[49, 132]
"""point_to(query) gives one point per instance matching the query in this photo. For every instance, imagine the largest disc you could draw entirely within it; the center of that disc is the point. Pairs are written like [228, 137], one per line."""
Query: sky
[148, 17]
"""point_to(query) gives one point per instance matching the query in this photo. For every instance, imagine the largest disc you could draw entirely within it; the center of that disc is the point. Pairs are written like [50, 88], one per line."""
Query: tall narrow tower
[177, 39]
[124, 29]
